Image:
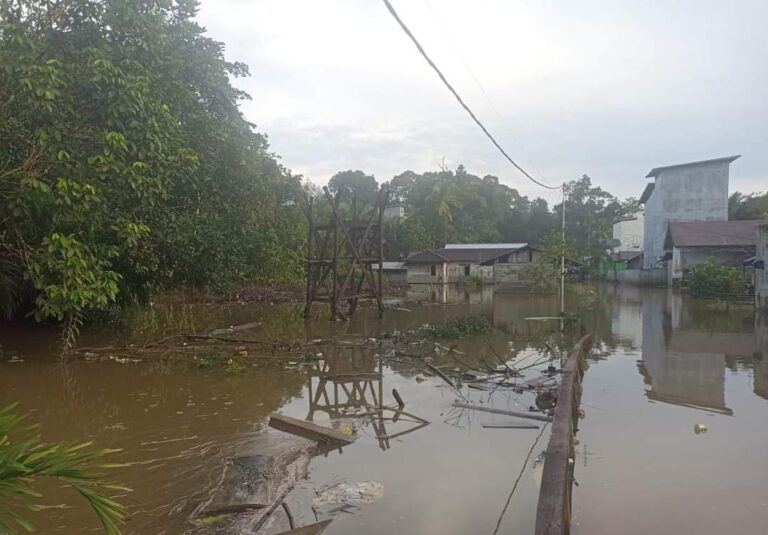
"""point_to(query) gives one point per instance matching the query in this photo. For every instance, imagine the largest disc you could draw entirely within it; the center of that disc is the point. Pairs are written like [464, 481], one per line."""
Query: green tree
[350, 184]
[126, 166]
[746, 207]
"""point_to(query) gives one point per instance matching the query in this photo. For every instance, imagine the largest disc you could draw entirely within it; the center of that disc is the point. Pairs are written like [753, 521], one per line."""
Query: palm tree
[446, 199]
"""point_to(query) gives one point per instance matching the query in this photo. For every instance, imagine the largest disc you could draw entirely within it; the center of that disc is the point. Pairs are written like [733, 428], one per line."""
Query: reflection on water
[700, 363]
[661, 363]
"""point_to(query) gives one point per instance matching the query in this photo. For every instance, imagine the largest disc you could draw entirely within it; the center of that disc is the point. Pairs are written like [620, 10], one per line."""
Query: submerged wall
[641, 277]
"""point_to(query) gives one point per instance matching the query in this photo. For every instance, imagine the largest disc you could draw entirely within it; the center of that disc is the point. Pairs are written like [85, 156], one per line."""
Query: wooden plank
[553, 514]
[509, 425]
[308, 430]
[310, 529]
[519, 414]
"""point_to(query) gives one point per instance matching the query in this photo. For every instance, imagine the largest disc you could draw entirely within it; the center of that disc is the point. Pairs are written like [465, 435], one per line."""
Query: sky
[605, 88]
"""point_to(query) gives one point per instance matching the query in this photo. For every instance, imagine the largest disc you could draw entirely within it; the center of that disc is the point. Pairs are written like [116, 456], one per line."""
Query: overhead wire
[464, 62]
[458, 98]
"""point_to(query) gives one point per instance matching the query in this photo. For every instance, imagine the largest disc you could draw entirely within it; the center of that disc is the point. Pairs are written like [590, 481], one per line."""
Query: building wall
[422, 274]
[644, 277]
[516, 263]
[630, 233]
[691, 193]
[684, 258]
[761, 275]
[448, 272]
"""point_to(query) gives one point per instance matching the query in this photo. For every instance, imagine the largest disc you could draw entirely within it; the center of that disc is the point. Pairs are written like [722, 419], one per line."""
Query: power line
[458, 98]
[464, 62]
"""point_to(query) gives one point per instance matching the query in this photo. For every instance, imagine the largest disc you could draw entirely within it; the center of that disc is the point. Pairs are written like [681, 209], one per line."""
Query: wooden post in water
[553, 514]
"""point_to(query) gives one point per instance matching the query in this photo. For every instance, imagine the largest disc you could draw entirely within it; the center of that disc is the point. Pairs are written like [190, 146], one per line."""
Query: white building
[629, 233]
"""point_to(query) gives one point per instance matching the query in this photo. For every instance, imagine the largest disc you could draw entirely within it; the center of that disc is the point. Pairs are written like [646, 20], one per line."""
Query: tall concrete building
[696, 191]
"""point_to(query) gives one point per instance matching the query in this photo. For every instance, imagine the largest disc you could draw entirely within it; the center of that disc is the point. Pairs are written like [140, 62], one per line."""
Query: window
[466, 271]
[433, 270]
[530, 255]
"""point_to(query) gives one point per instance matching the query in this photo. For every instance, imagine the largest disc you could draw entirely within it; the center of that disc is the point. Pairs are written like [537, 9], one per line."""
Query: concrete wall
[641, 277]
[630, 233]
[691, 193]
[422, 273]
[449, 272]
[684, 258]
[510, 271]
[761, 275]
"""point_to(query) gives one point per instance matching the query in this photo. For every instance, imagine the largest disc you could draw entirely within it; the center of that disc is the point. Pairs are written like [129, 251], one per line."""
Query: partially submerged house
[393, 273]
[484, 262]
[695, 191]
[759, 264]
[727, 243]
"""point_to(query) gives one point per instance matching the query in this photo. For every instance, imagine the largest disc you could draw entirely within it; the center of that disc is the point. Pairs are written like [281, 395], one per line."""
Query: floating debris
[355, 493]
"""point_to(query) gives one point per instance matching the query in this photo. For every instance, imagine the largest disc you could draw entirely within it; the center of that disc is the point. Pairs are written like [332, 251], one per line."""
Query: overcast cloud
[606, 88]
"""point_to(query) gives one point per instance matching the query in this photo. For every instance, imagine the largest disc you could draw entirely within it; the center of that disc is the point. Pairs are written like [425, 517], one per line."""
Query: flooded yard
[661, 364]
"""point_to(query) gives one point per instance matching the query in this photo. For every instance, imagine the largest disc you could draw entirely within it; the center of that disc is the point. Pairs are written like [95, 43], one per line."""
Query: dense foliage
[126, 165]
[24, 458]
[709, 279]
[459, 207]
[746, 207]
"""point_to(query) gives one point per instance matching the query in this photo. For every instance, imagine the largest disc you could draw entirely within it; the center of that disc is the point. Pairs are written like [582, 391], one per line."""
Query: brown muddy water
[662, 363]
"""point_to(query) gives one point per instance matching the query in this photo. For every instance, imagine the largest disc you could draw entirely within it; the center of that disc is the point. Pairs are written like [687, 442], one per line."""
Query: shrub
[709, 279]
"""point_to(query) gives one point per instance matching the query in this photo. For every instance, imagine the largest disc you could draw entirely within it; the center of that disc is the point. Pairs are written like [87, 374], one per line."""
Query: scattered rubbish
[520, 414]
[509, 425]
[420, 378]
[354, 493]
[699, 429]
[251, 488]
[235, 328]
[546, 400]
[309, 430]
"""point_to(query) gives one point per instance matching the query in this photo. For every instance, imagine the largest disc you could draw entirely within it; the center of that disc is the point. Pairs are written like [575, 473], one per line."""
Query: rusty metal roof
[712, 233]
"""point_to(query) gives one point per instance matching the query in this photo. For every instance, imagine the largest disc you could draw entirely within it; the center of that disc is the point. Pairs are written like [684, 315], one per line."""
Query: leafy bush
[25, 458]
[457, 328]
[709, 279]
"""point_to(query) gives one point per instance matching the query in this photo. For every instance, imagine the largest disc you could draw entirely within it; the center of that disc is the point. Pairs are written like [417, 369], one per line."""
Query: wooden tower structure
[344, 254]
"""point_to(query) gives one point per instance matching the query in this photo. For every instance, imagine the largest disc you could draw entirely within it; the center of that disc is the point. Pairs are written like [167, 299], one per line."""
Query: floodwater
[662, 363]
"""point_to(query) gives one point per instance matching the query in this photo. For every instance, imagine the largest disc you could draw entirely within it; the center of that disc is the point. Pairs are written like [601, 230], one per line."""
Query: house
[628, 233]
[457, 263]
[727, 243]
[696, 191]
[761, 273]
[393, 273]
[394, 211]
[623, 260]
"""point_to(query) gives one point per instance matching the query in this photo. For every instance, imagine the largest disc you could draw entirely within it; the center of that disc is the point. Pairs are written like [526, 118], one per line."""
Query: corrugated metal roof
[485, 245]
[625, 255]
[471, 255]
[712, 233]
[655, 171]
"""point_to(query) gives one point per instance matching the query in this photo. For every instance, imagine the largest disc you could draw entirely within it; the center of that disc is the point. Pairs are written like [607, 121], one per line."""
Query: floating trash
[354, 493]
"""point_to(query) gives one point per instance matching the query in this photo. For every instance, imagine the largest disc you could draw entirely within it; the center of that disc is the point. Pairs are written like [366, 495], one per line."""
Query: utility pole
[562, 262]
